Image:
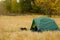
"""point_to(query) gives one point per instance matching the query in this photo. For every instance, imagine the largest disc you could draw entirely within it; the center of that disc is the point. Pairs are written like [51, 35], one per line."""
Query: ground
[10, 28]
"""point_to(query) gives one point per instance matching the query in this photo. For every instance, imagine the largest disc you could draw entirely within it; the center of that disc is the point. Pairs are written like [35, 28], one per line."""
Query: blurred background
[18, 7]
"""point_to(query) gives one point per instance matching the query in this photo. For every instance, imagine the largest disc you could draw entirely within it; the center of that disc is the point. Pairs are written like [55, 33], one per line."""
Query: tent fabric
[44, 24]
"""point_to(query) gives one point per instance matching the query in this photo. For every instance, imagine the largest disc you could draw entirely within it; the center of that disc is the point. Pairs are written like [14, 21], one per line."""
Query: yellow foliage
[54, 4]
[13, 2]
[37, 2]
[13, 5]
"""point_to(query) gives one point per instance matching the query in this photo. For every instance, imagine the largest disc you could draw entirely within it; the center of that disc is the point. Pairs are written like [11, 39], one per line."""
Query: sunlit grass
[10, 28]
[28, 35]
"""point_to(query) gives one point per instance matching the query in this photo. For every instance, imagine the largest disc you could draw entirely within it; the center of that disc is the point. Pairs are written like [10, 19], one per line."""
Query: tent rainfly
[43, 24]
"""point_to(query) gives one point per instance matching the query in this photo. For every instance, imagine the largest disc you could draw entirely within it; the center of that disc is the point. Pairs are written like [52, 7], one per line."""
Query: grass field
[10, 28]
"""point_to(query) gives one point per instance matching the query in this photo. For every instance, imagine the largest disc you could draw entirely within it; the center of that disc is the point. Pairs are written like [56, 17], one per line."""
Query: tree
[8, 5]
[25, 5]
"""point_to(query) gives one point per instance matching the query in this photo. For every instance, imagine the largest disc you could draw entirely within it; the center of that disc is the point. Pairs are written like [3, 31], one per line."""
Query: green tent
[43, 24]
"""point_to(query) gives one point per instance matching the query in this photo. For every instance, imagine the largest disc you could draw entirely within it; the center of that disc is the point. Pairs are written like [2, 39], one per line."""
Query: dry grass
[10, 29]
[27, 35]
